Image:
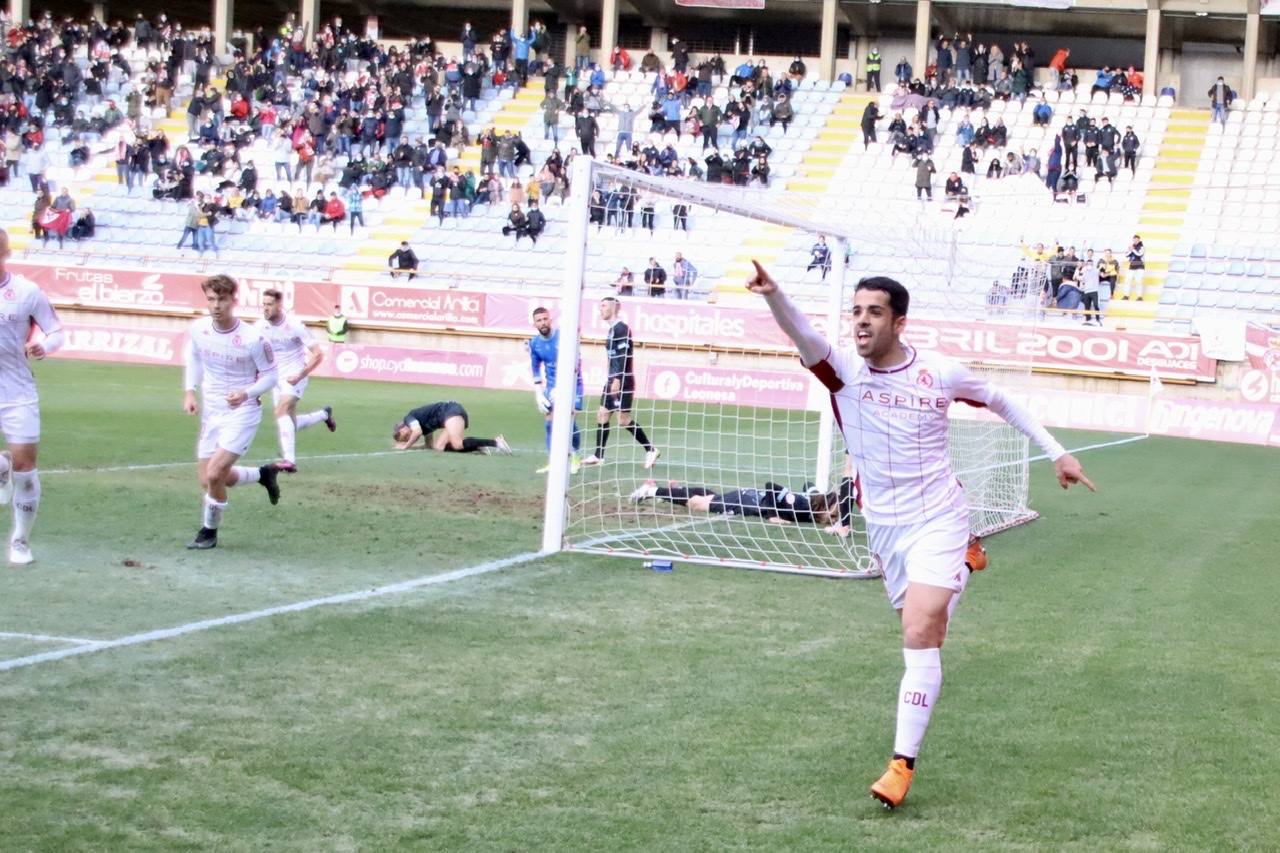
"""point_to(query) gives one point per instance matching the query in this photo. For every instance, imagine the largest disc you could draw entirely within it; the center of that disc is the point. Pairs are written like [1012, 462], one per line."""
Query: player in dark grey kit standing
[450, 420]
[619, 388]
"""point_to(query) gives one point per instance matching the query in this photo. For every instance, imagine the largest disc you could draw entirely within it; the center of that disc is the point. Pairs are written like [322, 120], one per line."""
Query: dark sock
[602, 438]
[471, 445]
[637, 432]
[911, 762]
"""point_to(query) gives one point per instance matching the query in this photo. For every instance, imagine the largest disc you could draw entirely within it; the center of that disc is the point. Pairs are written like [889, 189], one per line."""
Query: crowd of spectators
[966, 79]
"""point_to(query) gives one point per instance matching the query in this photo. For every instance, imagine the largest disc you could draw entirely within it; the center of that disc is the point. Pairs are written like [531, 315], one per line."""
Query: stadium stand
[1205, 227]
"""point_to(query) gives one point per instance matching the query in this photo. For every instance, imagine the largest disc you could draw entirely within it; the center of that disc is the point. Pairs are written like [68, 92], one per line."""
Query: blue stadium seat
[1236, 268]
[1199, 251]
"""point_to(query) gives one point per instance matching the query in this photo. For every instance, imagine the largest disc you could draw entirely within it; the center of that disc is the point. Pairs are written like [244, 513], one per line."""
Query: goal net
[751, 470]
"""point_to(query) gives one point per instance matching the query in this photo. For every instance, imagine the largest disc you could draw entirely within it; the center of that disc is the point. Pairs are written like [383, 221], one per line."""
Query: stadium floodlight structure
[738, 415]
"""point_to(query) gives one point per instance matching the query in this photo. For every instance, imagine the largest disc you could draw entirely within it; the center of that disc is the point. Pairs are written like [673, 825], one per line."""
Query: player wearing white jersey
[892, 402]
[234, 366]
[297, 356]
[22, 306]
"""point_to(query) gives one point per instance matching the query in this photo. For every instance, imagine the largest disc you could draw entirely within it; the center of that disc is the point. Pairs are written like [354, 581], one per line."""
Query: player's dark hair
[274, 294]
[609, 299]
[899, 299]
[539, 310]
[221, 284]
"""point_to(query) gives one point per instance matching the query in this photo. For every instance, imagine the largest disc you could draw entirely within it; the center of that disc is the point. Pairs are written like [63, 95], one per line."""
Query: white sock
[245, 475]
[26, 501]
[311, 419]
[213, 512]
[288, 434]
[921, 684]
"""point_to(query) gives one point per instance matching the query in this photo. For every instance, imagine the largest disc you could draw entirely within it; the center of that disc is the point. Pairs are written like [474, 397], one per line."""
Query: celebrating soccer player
[452, 421]
[297, 355]
[619, 387]
[234, 366]
[892, 402]
[25, 305]
[544, 348]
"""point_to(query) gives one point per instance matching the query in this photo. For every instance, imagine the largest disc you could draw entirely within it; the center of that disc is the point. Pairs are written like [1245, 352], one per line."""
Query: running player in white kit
[234, 366]
[297, 355]
[891, 402]
[22, 305]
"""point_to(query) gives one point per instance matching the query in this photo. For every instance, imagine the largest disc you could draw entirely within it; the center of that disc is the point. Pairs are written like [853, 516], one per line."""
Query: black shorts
[452, 410]
[744, 502]
[432, 417]
[620, 402]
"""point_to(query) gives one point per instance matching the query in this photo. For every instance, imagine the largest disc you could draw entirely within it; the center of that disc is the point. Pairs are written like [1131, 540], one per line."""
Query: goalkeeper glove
[540, 397]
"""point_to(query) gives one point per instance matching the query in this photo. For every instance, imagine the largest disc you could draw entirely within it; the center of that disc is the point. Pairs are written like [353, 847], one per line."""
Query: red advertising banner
[1261, 382]
[134, 346]
[397, 364]
[1069, 348]
[728, 386]
[652, 321]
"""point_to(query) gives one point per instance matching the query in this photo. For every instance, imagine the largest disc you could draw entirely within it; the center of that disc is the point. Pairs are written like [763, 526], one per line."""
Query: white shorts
[931, 552]
[283, 388]
[231, 430]
[20, 423]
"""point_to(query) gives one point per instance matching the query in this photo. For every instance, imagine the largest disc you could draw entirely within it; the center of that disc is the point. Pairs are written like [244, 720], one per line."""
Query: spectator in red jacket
[1058, 65]
[334, 211]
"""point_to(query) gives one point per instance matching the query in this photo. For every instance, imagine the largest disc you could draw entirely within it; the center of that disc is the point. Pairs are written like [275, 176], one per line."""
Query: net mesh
[730, 419]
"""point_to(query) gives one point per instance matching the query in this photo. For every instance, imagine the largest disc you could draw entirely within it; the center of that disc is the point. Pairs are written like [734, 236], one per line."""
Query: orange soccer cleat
[976, 556]
[891, 788]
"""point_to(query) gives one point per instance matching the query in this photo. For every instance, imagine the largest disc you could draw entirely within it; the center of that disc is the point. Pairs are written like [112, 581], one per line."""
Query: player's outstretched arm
[1069, 470]
[812, 346]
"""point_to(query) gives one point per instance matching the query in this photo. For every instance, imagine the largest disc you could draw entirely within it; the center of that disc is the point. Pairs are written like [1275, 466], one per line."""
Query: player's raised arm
[971, 388]
[812, 346]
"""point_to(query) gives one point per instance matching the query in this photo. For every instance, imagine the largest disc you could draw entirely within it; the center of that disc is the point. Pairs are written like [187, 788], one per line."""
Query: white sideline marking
[1044, 456]
[45, 638]
[88, 646]
[91, 646]
[152, 466]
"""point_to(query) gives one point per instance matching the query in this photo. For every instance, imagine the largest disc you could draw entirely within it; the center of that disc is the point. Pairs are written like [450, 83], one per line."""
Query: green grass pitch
[1111, 682]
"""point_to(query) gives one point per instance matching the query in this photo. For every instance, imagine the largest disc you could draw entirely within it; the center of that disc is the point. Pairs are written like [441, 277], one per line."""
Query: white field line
[45, 638]
[154, 466]
[254, 615]
[88, 646]
[1043, 456]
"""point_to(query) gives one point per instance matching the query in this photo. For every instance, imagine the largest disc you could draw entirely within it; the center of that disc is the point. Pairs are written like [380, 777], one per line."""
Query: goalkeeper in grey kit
[619, 388]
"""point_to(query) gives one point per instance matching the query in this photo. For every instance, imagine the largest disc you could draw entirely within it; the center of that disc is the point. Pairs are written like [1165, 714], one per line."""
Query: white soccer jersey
[290, 339]
[239, 359]
[895, 427]
[21, 304]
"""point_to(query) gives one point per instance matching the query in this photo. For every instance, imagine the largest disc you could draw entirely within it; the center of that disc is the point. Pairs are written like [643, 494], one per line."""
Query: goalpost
[720, 391]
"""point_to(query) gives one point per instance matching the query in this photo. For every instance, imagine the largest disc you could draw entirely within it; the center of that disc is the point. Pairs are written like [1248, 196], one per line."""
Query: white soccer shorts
[20, 423]
[230, 429]
[930, 552]
[284, 388]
